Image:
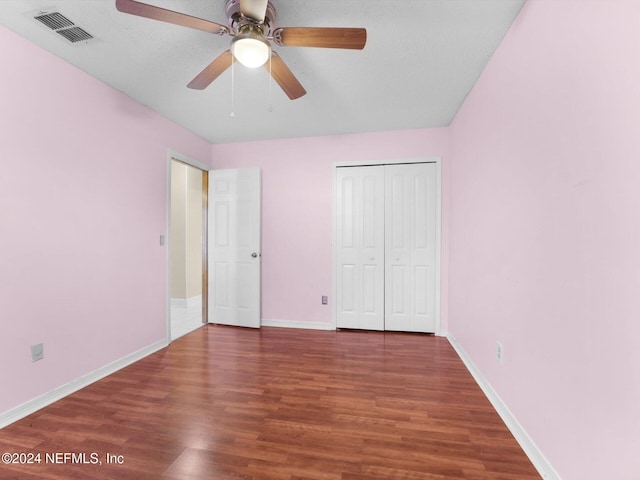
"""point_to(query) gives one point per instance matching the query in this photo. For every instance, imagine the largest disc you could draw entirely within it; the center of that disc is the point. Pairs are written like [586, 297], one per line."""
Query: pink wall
[545, 231]
[540, 209]
[82, 205]
[296, 209]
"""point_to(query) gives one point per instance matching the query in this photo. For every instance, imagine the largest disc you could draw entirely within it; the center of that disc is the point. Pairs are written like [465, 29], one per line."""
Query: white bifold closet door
[386, 234]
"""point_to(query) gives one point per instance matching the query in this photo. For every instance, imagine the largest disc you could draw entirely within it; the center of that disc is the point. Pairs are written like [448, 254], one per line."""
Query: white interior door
[360, 247]
[234, 247]
[410, 247]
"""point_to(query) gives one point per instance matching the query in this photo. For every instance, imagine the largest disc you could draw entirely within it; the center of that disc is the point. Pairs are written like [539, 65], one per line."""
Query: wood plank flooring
[227, 403]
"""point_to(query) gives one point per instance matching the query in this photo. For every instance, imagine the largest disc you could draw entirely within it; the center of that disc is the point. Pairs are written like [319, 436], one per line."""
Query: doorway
[187, 220]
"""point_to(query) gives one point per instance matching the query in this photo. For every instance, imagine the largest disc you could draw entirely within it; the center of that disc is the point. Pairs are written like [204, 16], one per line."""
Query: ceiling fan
[251, 23]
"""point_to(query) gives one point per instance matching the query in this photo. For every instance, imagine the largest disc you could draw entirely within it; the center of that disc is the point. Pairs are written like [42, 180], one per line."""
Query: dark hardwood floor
[226, 403]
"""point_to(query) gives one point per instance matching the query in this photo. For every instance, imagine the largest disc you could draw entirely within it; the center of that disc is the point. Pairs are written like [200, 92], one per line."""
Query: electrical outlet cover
[37, 352]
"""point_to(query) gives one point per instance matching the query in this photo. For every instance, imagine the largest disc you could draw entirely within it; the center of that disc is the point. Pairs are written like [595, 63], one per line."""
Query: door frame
[334, 231]
[173, 155]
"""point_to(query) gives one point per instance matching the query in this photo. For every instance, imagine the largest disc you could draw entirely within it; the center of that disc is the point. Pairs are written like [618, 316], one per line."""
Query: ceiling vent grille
[54, 20]
[75, 34]
[63, 26]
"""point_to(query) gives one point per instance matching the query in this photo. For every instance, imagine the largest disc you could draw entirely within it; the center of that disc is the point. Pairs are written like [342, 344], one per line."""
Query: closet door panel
[360, 252]
[372, 249]
[410, 247]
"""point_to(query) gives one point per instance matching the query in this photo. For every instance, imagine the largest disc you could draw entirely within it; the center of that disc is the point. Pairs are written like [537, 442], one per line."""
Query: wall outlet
[500, 353]
[161, 240]
[325, 300]
[37, 352]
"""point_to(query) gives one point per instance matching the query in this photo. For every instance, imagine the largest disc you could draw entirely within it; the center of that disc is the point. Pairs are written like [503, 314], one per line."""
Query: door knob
[254, 254]
[371, 258]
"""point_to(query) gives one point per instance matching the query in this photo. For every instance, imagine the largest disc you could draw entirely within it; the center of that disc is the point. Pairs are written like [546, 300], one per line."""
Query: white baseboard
[187, 302]
[290, 324]
[538, 459]
[56, 394]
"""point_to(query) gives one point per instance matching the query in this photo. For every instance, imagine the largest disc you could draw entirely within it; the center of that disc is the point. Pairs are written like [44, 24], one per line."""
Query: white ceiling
[421, 59]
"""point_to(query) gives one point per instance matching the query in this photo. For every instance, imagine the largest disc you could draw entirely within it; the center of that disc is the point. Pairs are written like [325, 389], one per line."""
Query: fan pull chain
[270, 107]
[233, 62]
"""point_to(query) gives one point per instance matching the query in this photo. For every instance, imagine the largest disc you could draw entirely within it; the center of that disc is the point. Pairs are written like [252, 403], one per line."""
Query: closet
[386, 220]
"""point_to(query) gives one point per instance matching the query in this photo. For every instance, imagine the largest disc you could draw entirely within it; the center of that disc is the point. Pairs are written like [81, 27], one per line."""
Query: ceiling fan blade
[255, 9]
[285, 77]
[156, 13]
[351, 38]
[212, 71]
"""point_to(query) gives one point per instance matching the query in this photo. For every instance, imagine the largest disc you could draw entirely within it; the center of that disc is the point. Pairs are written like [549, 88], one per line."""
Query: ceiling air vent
[75, 34]
[63, 26]
[54, 20]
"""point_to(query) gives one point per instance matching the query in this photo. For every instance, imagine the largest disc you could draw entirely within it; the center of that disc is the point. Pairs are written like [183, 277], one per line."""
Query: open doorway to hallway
[186, 248]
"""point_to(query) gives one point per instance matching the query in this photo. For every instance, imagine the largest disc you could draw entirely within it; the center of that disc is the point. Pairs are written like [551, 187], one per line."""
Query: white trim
[438, 246]
[545, 469]
[184, 159]
[186, 302]
[334, 233]
[167, 246]
[56, 394]
[186, 230]
[363, 163]
[291, 324]
[334, 248]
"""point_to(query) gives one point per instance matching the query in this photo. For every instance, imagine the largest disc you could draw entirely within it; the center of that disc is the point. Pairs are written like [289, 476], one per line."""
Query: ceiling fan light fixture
[252, 24]
[250, 47]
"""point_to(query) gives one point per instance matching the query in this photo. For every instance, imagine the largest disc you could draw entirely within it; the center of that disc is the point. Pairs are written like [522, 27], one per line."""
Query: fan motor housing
[235, 19]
